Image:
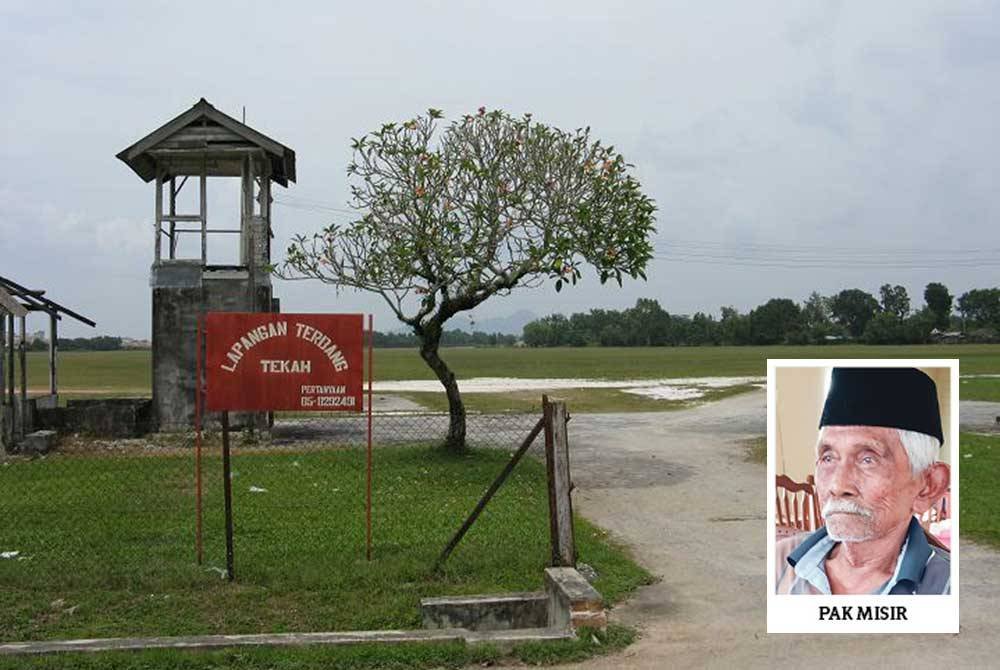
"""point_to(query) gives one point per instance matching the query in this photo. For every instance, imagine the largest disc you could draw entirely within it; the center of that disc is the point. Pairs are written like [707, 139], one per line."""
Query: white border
[800, 614]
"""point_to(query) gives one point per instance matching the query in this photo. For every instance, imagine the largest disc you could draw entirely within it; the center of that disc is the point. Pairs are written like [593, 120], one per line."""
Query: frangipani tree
[489, 204]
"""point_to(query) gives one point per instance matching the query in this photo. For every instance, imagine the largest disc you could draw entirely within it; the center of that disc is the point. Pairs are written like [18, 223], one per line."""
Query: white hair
[921, 449]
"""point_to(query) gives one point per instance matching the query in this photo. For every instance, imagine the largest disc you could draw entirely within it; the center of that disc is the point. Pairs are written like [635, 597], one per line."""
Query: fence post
[559, 483]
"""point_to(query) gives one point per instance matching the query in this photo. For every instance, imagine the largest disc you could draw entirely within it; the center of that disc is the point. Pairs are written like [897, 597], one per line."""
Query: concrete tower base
[183, 291]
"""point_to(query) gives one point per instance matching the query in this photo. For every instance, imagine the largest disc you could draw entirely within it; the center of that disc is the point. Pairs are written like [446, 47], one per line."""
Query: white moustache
[845, 507]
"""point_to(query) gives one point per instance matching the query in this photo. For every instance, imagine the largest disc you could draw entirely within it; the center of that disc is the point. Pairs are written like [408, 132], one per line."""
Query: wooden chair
[797, 505]
[781, 532]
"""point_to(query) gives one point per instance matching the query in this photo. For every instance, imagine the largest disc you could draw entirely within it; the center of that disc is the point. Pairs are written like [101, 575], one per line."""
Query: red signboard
[302, 362]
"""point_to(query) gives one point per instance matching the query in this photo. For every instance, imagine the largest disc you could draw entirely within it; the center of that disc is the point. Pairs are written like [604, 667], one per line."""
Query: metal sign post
[198, 400]
[227, 489]
[368, 459]
[262, 362]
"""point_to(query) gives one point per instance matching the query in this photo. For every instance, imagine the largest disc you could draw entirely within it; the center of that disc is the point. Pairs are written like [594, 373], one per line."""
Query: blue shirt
[920, 569]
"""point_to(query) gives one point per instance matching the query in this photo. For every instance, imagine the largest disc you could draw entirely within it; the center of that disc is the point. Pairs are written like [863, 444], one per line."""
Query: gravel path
[976, 415]
[674, 486]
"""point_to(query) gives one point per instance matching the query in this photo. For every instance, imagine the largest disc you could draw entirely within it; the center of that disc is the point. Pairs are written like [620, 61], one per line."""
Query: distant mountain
[508, 325]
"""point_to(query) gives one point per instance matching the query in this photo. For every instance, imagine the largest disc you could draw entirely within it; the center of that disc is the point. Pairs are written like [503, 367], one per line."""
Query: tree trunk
[455, 442]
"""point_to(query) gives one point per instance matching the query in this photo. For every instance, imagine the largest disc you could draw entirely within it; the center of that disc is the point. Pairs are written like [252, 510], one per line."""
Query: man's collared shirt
[920, 569]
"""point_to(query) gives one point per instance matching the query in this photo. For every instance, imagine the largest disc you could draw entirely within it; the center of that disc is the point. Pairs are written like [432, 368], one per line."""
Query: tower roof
[205, 137]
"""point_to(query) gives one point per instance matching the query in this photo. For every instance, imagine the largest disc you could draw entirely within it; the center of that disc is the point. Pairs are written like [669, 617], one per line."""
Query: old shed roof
[205, 136]
[33, 301]
[8, 303]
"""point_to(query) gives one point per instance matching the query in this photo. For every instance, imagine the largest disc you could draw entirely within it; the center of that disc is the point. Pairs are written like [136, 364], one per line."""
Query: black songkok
[889, 397]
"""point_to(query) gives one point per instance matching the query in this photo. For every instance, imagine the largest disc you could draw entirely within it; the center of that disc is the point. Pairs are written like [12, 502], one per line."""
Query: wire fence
[122, 512]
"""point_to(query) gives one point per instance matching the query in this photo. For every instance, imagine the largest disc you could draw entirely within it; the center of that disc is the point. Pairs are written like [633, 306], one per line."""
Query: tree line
[99, 343]
[850, 315]
[450, 338]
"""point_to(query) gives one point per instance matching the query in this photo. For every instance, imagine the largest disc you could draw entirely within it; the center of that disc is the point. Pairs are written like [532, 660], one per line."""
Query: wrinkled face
[864, 482]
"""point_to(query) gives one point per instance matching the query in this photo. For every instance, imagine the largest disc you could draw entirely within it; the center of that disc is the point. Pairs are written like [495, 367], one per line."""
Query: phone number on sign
[328, 401]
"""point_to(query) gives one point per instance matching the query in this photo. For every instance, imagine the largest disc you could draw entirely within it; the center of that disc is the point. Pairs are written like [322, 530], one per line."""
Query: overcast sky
[790, 146]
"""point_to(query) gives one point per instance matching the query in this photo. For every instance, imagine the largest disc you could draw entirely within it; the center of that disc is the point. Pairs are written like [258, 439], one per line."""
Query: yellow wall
[800, 393]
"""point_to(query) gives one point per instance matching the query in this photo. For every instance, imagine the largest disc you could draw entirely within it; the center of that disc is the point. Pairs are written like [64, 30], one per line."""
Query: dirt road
[675, 487]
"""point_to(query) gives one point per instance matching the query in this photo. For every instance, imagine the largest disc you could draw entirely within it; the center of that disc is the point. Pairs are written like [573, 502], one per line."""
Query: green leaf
[558, 285]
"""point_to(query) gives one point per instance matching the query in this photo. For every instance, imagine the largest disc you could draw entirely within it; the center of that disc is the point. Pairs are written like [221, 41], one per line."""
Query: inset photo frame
[862, 496]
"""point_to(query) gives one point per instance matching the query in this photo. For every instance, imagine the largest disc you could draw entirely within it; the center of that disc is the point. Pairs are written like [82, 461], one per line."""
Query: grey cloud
[749, 123]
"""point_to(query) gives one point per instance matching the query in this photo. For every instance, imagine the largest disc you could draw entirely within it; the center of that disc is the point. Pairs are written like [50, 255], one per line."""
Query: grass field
[128, 372]
[658, 362]
[980, 389]
[980, 496]
[108, 542]
[120, 372]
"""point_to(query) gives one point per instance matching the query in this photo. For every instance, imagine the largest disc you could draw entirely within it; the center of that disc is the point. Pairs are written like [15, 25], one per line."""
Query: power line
[817, 264]
[763, 255]
[309, 204]
[824, 251]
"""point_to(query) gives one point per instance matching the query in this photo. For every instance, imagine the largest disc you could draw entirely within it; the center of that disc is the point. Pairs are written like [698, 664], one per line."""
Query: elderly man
[876, 466]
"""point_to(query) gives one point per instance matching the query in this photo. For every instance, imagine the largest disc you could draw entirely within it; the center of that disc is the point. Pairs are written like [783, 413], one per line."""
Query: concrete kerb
[502, 639]
[503, 611]
[568, 602]
[505, 620]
